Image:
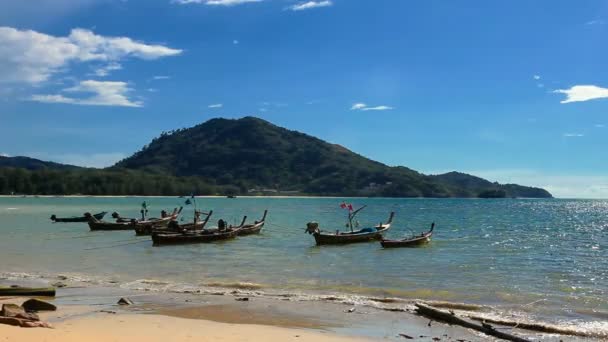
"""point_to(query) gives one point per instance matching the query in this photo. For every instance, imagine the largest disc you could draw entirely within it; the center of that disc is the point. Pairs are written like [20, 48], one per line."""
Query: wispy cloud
[28, 56]
[580, 93]
[215, 2]
[595, 22]
[235, 42]
[310, 5]
[364, 107]
[216, 105]
[537, 78]
[599, 126]
[104, 93]
[4, 155]
[158, 78]
[377, 108]
[106, 69]
[573, 135]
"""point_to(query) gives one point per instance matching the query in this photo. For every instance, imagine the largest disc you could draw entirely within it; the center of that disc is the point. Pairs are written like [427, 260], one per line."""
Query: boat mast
[351, 216]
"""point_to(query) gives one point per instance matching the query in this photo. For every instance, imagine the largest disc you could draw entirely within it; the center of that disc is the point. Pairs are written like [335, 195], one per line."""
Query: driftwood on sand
[450, 318]
[540, 327]
[532, 326]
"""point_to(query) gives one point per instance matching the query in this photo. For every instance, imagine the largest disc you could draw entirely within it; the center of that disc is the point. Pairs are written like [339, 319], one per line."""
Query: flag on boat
[343, 205]
[350, 207]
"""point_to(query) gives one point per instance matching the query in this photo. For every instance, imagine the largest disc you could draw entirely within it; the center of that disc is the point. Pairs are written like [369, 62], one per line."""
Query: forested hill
[250, 155]
[31, 163]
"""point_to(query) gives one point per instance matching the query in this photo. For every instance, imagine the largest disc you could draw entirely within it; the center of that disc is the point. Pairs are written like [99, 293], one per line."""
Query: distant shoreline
[249, 196]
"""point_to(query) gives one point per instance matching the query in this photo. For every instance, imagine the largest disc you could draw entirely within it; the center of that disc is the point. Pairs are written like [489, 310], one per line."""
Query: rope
[72, 237]
[122, 244]
[276, 225]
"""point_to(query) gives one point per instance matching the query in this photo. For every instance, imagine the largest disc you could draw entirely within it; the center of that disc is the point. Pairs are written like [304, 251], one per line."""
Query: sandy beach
[91, 314]
[133, 327]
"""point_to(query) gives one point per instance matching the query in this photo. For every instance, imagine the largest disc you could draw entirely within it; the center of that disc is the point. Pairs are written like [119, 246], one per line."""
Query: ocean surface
[536, 260]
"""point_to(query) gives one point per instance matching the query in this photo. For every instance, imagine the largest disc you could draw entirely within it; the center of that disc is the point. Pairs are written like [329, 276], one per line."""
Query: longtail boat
[27, 291]
[361, 235]
[413, 241]
[203, 236]
[174, 226]
[77, 218]
[120, 219]
[95, 224]
[250, 229]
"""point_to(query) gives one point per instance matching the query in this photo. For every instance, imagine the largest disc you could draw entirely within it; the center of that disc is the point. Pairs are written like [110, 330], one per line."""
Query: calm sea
[535, 259]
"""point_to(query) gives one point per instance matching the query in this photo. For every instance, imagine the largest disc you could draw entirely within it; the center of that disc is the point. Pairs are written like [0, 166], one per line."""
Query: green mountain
[250, 155]
[32, 164]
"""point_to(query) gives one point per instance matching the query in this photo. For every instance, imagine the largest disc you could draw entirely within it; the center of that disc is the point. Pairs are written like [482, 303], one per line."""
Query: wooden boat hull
[27, 291]
[405, 243]
[324, 238]
[415, 241]
[173, 226]
[250, 229]
[97, 225]
[147, 227]
[77, 219]
[159, 239]
[341, 239]
[109, 226]
[254, 229]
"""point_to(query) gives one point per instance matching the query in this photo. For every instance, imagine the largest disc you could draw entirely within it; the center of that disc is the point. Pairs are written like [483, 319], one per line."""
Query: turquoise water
[543, 259]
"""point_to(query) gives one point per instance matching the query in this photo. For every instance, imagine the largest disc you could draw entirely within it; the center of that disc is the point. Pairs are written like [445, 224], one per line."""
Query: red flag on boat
[350, 207]
[343, 205]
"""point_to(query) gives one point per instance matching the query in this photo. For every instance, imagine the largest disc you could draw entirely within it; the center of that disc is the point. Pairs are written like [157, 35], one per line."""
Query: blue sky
[513, 91]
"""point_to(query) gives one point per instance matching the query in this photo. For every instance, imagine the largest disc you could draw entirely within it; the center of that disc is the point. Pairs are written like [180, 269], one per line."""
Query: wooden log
[11, 321]
[27, 291]
[450, 318]
[537, 327]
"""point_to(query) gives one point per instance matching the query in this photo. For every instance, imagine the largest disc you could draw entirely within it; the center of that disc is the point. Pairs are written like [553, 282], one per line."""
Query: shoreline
[85, 314]
[293, 197]
[245, 315]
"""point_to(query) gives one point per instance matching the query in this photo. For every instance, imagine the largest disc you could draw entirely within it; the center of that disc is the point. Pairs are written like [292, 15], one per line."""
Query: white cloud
[536, 77]
[310, 5]
[106, 69]
[573, 135]
[4, 155]
[364, 107]
[595, 22]
[377, 108]
[105, 93]
[581, 93]
[152, 90]
[217, 105]
[31, 57]
[599, 126]
[157, 78]
[235, 42]
[215, 2]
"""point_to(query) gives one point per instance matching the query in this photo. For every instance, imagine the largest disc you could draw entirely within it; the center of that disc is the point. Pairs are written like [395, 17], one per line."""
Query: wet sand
[91, 314]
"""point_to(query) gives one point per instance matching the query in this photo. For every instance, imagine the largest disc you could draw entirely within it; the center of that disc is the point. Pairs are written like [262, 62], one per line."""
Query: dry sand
[133, 327]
